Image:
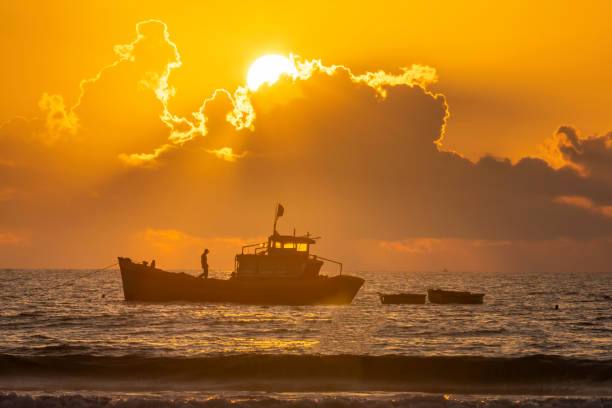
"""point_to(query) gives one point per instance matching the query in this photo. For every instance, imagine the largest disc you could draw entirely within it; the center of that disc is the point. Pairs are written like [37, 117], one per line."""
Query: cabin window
[276, 244]
[289, 245]
[302, 247]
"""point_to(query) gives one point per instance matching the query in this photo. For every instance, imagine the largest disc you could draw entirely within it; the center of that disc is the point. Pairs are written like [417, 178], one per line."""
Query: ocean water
[68, 335]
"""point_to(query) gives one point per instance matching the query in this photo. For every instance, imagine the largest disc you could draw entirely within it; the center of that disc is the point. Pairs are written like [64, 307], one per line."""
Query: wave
[262, 371]
[219, 401]
[468, 333]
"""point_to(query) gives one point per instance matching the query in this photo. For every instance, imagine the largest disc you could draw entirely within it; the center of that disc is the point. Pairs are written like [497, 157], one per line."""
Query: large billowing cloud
[359, 159]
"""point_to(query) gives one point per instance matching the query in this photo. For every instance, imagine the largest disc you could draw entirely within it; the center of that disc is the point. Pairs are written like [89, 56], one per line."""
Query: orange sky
[364, 170]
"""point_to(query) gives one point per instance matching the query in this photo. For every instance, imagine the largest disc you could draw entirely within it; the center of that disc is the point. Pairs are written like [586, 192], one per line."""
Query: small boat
[402, 299]
[280, 271]
[451, 296]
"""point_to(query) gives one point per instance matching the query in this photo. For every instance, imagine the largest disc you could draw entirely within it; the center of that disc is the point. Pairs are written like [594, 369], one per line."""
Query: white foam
[38, 400]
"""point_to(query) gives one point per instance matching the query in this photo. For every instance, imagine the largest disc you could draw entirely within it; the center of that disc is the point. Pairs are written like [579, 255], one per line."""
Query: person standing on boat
[204, 260]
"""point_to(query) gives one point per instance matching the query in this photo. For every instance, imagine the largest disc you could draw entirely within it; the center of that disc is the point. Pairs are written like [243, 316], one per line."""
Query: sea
[69, 339]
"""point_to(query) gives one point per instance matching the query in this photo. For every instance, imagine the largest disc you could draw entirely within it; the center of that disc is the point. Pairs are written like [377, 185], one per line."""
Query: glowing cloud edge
[60, 120]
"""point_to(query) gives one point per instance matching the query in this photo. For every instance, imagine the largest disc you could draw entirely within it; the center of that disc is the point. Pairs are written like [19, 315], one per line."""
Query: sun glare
[268, 69]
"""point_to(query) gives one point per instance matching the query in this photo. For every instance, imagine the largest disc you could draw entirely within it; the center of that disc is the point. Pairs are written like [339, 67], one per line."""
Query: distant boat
[451, 296]
[280, 271]
[402, 298]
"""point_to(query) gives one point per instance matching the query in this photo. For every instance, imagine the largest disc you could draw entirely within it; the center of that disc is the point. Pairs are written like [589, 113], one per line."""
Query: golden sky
[490, 151]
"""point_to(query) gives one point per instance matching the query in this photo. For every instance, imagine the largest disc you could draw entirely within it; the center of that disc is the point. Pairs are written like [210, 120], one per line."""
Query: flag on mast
[280, 210]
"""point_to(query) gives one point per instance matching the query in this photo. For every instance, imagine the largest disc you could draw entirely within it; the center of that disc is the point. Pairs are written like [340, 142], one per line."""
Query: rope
[83, 276]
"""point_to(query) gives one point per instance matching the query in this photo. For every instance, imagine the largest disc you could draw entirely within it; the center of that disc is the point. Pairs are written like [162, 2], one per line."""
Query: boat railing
[329, 260]
[258, 246]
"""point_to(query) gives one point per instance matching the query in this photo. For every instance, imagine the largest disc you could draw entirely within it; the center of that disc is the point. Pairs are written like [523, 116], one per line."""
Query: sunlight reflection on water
[517, 318]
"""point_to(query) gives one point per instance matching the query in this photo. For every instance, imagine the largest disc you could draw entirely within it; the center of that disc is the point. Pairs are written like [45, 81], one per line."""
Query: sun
[268, 69]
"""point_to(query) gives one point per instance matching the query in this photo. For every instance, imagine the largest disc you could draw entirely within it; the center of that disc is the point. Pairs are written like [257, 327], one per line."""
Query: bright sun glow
[268, 69]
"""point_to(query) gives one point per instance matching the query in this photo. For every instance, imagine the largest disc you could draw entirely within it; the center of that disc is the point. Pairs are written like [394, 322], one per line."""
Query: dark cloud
[592, 154]
[346, 161]
[370, 167]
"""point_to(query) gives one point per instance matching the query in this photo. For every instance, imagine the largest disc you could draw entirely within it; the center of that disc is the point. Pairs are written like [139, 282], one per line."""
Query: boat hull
[402, 299]
[143, 283]
[449, 297]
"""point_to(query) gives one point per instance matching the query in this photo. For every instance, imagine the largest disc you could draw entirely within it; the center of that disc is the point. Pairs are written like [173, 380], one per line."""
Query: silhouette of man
[204, 260]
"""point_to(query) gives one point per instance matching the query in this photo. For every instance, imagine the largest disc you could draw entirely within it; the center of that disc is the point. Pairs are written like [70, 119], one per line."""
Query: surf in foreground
[362, 400]
[544, 375]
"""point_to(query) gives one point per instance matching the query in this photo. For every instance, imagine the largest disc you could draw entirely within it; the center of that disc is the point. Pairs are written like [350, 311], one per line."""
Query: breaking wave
[258, 371]
[430, 401]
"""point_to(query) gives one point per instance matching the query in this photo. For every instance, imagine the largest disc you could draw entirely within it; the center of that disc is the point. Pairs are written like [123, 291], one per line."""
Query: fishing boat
[451, 296]
[402, 298]
[280, 271]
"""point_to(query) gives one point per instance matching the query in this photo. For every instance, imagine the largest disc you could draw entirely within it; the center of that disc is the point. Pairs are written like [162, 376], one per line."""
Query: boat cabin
[282, 256]
[289, 244]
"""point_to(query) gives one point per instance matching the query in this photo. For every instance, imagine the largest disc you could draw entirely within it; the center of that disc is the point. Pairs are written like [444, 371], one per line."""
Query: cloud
[415, 245]
[117, 112]
[7, 193]
[592, 155]
[460, 255]
[382, 162]
[171, 239]
[583, 202]
[358, 157]
[242, 114]
[172, 246]
[59, 121]
[8, 238]
[227, 153]
[148, 61]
